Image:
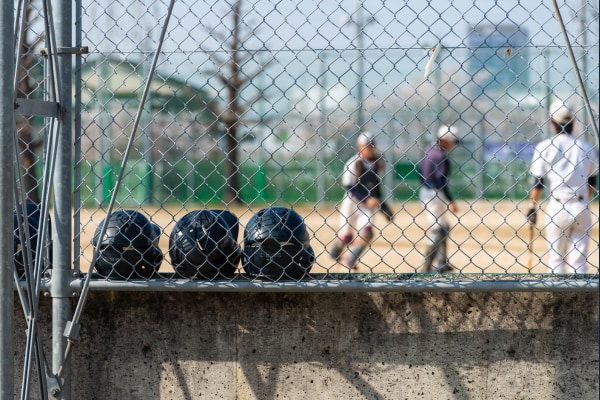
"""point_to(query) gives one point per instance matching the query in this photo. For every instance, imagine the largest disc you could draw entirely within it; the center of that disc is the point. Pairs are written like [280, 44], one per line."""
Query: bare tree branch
[231, 71]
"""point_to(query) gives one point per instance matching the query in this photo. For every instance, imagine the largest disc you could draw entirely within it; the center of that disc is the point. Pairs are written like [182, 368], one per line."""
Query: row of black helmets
[202, 245]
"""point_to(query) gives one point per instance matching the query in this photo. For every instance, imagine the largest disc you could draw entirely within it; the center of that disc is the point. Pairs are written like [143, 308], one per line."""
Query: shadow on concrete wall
[337, 345]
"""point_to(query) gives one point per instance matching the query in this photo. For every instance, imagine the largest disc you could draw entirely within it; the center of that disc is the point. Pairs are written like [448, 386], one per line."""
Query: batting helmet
[276, 245]
[129, 247]
[21, 241]
[203, 245]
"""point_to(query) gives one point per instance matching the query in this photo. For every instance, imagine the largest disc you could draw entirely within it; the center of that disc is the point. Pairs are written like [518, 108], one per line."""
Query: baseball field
[486, 237]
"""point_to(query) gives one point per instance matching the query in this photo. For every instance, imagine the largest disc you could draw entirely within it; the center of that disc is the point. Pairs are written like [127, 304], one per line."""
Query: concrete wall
[140, 345]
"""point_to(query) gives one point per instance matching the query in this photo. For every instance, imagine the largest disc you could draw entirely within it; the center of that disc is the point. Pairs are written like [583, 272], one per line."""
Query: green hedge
[296, 182]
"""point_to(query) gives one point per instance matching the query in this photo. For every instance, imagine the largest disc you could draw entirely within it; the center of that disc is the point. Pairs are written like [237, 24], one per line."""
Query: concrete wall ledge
[342, 345]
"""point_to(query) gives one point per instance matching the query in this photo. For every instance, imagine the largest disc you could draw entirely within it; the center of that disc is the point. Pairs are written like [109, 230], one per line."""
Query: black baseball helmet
[203, 245]
[129, 248]
[31, 227]
[277, 245]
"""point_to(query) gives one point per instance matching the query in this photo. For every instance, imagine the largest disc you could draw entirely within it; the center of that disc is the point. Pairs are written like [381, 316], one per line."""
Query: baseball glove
[387, 211]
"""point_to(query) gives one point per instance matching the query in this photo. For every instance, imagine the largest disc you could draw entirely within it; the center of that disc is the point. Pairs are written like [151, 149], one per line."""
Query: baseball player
[567, 167]
[362, 180]
[434, 171]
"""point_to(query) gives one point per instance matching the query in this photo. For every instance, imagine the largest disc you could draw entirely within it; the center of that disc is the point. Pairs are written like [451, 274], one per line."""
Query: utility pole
[360, 22]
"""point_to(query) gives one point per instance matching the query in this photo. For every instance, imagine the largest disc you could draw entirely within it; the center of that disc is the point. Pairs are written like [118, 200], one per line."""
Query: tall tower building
[499, 60]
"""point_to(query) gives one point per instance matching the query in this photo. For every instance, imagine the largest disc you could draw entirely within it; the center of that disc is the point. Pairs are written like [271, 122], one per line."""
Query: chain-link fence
[256, 107]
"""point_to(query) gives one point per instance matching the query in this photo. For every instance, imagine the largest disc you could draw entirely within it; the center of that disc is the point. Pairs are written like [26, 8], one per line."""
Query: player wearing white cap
[362, 180]
[567, 167]
[434, 170]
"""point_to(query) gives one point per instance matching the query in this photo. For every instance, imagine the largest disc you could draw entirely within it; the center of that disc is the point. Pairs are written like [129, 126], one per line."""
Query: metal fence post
[62, 259]
[7, 60]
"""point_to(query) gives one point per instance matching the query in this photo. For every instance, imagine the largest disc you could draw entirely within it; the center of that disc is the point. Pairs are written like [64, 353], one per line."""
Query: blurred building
[499, 59]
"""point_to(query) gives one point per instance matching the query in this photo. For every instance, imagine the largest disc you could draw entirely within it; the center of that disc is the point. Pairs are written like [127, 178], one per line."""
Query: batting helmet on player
[203, 244]
[276, 245]
[21, 240]
[129, 247]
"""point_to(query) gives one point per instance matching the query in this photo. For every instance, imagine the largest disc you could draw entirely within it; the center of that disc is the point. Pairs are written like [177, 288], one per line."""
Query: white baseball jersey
[351, 173]
[565, 163]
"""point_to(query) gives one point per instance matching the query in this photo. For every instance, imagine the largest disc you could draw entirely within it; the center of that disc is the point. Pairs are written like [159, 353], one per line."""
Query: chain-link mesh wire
[256, 105]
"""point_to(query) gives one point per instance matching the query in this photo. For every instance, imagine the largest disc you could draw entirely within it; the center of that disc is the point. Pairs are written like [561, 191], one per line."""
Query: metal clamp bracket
[37, 107]
[66, 50]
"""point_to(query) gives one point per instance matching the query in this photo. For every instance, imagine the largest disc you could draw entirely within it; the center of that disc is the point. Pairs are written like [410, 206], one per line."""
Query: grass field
[487, 237]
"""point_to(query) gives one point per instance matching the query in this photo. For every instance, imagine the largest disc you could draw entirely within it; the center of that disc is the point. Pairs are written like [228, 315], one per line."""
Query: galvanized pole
[61, 224]
[360, 22]
[322, 136]
[7, 177]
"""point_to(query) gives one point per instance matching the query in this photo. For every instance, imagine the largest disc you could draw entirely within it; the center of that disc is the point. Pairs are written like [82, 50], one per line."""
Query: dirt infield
[486, 237]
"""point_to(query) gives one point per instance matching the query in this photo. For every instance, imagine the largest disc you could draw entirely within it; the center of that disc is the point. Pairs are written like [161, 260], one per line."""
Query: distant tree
[233, 39]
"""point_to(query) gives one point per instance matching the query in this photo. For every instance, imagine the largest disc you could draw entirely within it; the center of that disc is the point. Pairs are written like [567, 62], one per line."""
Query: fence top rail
[356, 283]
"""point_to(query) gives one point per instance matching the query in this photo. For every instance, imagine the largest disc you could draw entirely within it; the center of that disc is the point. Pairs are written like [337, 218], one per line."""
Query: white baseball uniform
[355, 215]
[566, 163]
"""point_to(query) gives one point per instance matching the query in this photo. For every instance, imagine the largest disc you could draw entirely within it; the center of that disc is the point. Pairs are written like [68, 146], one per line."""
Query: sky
[300, 25]
[315, 44]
